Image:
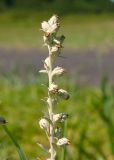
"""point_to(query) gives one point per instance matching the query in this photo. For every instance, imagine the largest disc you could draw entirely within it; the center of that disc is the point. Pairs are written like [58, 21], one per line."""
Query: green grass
[21, 29]
[88, 108]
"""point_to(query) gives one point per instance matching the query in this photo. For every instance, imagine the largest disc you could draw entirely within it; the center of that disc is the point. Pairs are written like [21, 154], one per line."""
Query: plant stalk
[50, 109]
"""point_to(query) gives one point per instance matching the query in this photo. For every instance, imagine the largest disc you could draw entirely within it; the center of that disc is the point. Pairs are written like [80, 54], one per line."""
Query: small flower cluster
[50, 123]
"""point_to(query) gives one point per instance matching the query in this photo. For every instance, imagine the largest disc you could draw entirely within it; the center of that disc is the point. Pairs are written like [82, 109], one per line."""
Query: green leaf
[18, 148]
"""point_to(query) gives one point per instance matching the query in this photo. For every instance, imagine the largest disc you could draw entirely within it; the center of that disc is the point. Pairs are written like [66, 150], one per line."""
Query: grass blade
[18, 148]
[64, 150]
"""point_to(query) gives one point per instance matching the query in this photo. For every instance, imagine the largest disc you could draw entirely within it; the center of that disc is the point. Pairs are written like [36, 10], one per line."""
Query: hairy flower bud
[63, 94]
[53, 88]
[61, 117]
[57, 117]
[45, 26]
[44, 124]
[51, 26]
[63, 141]
[58, 71]
[54, 19]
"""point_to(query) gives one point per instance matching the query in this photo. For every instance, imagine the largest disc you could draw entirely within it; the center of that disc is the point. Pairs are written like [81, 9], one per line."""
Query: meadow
[21, 29]
[90, 124]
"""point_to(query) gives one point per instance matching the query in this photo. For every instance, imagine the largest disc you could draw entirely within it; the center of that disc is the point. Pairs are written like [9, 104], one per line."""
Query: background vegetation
[64, 6]
[21, 29]
[91, 108]
[91, 119]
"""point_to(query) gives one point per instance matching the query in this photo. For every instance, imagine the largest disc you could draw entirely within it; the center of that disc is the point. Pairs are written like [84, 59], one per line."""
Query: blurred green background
[92, 21]
[87, 25]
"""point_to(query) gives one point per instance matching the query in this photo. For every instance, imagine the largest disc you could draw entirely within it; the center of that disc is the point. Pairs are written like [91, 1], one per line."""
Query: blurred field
[90, 108]
[90, 118]
[21, 29]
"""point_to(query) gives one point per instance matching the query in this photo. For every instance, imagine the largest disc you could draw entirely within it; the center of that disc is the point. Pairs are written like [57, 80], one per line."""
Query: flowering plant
[48, 123]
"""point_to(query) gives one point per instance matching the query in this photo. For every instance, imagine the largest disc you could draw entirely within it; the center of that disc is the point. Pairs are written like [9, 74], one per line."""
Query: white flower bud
[58, 71]
[57, 117]
[63, 94]
[44, 124]
[54, 19]
[45, 26]
[63, 141]
[61, 117]
[53, 88]
[51, 26]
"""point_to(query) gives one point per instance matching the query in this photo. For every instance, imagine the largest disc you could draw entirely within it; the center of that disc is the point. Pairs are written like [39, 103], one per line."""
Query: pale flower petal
[54, 19]
[45, 26]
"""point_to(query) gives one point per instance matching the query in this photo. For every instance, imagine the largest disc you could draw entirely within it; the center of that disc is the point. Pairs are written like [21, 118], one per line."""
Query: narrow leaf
[43, 147]
[18, 148]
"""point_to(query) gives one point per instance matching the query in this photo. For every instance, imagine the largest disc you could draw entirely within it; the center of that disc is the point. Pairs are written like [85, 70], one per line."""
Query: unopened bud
[51, 26]
[58, 71]
[63, 141]
[57, 117]
[63, 94]
[61, 117]
[53, 88]
[45, 26]
[44, 124]
[54, 19]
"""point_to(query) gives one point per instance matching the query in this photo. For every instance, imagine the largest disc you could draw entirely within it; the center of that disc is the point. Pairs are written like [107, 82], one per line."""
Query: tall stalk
[51, 122]
[50, 109]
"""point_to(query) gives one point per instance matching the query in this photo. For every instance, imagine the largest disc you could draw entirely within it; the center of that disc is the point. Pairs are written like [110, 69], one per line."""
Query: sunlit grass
[21, 29]
[21, 105]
